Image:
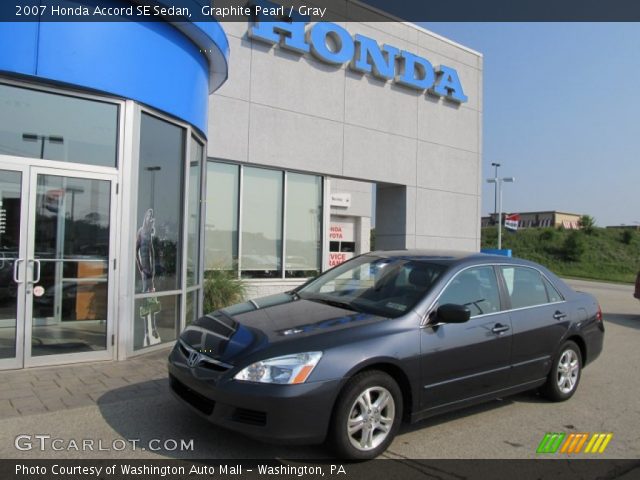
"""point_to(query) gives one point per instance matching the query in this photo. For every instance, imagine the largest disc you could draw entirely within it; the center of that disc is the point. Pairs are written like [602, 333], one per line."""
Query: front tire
[367, 416]
[565, 373]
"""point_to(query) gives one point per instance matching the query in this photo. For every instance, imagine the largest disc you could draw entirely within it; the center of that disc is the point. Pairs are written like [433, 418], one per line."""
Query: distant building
[540, 219]
[625, 227]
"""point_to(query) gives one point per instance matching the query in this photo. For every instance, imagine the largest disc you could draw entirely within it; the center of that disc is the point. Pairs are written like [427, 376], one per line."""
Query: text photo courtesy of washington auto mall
[303, 239]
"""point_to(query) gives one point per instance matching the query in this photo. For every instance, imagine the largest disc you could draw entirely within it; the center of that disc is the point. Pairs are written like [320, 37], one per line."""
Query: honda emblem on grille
[194, 358]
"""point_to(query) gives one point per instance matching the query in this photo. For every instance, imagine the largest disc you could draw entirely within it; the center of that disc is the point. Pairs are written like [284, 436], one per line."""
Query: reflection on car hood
[242, 329]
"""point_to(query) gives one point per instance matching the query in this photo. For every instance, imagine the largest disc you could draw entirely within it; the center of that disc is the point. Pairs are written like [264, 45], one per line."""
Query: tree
[587, 223]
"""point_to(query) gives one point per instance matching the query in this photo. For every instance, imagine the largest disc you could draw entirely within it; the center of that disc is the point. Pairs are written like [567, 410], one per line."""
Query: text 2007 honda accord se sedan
[382, 338]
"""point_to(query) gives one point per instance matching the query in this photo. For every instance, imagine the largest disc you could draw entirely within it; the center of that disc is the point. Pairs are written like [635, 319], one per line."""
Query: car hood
[241, 330]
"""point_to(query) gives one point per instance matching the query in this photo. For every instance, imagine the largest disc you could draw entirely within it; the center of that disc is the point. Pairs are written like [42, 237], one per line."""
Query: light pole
[498, 182]
[32, 137]
[495, 188]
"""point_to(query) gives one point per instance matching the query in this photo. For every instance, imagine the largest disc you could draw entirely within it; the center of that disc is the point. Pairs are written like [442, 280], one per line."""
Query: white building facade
[316, 116]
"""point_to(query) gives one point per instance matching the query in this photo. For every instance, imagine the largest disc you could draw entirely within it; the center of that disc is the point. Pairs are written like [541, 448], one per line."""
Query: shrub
[574, 247]
[221, 289]
[548, 234]
[627, 236]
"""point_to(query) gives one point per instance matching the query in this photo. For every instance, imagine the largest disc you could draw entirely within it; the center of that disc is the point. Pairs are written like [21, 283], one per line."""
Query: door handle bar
[16, 273]
[559, 315]
[37, 278]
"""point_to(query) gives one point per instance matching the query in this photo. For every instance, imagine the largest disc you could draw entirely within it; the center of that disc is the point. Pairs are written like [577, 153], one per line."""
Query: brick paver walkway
[50, 389]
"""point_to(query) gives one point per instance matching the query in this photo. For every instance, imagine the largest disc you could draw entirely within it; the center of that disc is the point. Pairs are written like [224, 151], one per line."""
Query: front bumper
[273, 413]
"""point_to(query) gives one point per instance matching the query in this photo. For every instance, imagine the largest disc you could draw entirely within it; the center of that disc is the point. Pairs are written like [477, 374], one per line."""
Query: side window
[552, 293]
[526, 287]
[476, 288]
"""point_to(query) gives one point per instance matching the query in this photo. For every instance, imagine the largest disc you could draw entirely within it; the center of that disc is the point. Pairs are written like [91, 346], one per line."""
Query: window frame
[498, 286]
[282, 273]
[183, 291]
[505, 301]
[544, 279]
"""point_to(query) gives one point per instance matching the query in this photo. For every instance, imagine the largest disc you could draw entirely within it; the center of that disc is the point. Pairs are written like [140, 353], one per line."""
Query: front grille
[251, 417]
[193, 398]
[205, 363]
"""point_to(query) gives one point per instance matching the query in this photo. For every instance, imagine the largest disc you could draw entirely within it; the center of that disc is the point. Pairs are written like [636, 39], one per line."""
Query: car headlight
[285, 370]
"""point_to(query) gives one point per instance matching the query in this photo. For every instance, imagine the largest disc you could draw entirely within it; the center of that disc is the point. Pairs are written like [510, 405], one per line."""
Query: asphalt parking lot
[607, 401]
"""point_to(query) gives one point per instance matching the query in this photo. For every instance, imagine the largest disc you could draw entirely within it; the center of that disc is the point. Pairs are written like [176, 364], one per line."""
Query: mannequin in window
[145, 261]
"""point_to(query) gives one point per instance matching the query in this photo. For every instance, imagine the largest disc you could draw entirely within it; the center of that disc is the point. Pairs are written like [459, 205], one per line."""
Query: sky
[561, 114]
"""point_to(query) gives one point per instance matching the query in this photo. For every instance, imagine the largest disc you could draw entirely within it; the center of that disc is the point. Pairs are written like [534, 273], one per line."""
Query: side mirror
[451, 313]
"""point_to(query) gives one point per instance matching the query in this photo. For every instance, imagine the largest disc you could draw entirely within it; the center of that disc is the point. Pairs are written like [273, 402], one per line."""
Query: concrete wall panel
[377, 156]
[448, 169]
[286, 139]
[446, 123]
[228, 128]
[445, 214]
[291, 81]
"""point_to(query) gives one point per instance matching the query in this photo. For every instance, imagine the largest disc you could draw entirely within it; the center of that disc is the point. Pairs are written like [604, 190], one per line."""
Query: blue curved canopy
[170, 66]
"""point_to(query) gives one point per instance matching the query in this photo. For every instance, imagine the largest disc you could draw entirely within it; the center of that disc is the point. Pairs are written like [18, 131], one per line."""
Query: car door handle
[499, 328]
[559, 315]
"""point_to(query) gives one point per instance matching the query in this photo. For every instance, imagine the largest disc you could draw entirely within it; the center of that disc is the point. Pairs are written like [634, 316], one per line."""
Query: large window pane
[304, 225]
[158, 238]
[193, 221]
[221, 226]
[261, 223]
[72, 217]
[71, 246]
[57, 127]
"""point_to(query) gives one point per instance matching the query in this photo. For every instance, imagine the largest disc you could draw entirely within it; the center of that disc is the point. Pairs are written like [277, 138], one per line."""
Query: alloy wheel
[568, 371]
[371, 418]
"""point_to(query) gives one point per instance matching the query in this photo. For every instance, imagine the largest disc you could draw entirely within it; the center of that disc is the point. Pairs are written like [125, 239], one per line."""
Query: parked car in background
[637, 292]
[384, 338]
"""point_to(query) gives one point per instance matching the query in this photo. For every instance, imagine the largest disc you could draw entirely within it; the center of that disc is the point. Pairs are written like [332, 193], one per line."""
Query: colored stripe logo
[574, 443]
[550, 443]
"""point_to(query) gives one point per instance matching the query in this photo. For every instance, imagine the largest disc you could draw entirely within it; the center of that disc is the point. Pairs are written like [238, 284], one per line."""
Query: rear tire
[565, 374]
[366, 417]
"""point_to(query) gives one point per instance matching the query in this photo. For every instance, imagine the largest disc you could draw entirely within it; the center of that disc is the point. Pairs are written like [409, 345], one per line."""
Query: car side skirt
[469, 401]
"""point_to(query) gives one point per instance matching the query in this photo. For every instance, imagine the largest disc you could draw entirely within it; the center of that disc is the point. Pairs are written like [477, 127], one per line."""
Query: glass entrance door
[63, 281]
[12, 264]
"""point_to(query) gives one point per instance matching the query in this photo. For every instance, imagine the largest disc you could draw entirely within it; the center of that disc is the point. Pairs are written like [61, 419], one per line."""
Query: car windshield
[372, 284]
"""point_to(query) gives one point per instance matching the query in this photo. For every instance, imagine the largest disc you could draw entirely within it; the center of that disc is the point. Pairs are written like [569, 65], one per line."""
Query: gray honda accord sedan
[384, 338]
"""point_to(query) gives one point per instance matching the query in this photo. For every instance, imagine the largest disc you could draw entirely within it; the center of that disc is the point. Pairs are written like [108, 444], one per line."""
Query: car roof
[448, 257]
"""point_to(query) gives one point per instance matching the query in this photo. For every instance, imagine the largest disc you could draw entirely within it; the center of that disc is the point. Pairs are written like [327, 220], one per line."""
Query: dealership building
[134, 157]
